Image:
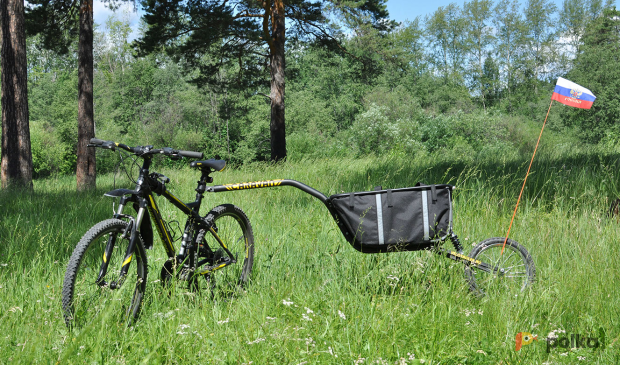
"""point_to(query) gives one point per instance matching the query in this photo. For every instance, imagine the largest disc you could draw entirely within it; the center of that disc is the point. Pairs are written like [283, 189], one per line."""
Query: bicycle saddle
[217, 165]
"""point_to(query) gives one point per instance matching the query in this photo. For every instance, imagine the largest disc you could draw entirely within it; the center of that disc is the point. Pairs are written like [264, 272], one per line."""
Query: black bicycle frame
[143, 199]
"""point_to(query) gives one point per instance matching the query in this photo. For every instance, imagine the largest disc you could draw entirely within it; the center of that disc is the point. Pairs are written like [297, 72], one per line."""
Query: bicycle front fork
[132, 229]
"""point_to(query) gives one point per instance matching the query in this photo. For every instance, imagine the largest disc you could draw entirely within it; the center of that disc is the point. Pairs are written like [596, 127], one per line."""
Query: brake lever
[171, 153]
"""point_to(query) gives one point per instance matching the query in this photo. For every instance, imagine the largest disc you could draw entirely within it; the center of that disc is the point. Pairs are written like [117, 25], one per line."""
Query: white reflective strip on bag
[425, 214]
[380, 219]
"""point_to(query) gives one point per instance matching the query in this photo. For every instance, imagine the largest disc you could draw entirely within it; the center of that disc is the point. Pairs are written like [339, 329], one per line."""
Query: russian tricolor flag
[569, 93]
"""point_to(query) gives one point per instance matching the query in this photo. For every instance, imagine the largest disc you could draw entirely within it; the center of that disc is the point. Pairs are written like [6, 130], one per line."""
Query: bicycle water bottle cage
[217, 165]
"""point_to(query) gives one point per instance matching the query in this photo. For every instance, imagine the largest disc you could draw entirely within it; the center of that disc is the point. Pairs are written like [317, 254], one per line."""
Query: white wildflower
[342, 315]
[256, 341]
[287, 302]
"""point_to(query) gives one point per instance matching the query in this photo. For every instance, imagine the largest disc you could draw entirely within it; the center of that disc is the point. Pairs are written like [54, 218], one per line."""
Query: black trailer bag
[406, 219]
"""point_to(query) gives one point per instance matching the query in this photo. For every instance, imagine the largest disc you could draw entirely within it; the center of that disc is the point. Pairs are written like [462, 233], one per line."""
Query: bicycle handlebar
[191, 154]
[144, 150]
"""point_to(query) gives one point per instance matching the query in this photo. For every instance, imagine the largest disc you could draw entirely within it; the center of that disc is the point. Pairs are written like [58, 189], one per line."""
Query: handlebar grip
[96, 141]
[127, 148]
[191, 154]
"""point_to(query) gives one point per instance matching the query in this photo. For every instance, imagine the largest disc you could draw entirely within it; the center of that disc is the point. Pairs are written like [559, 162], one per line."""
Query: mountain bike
[108, 268]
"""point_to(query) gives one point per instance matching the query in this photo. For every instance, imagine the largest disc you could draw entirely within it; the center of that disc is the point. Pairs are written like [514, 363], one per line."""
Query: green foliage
[48, 153]
[396, 96]
[597, 67]
[375, 133]
[53, 113]
[333, 81]
[441, 95]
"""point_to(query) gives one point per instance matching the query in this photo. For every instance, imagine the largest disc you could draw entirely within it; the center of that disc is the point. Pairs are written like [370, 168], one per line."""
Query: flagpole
[524, 180]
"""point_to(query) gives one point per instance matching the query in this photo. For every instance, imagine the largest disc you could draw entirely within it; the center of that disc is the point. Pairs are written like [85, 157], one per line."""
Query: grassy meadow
[313, 298]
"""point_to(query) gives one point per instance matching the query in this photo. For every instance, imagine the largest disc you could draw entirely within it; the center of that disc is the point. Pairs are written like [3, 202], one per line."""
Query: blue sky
[400, 10]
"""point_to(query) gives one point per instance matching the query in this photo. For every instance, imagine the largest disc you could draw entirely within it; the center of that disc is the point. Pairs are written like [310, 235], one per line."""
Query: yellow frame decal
[218, 238]
[253, 185]
[127, 261]
[467, 258]
[159, 225]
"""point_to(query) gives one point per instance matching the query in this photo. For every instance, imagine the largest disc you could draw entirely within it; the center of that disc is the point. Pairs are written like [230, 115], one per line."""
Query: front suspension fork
[133, 229]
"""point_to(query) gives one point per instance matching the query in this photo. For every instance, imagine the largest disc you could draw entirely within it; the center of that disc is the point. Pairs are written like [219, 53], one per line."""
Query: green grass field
[312, 297]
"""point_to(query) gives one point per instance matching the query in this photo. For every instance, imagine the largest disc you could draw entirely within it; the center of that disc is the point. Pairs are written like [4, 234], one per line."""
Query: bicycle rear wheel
[232, 228]
[509, 273]
[83, 298]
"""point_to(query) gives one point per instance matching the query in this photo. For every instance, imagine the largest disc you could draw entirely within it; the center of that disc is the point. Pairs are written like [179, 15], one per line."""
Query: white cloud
[101, 13]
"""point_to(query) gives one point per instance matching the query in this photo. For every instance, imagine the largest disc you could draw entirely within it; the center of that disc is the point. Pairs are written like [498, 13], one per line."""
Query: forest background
[464, 82]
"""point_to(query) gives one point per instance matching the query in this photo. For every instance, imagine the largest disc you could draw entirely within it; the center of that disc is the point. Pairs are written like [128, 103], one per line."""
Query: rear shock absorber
[456, 243]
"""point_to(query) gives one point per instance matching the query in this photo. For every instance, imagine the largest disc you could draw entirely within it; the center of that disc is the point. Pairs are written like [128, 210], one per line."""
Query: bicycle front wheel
[509, 272]
[86, 293]
[226, 273]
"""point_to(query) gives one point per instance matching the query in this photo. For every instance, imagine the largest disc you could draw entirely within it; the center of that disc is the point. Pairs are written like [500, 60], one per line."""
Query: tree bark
[85, 171]
[277, 127]
[16, 153]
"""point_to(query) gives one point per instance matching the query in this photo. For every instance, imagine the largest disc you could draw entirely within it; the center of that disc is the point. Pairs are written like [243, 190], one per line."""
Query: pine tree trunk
[278, 134]
[16, 153]
[85, 171]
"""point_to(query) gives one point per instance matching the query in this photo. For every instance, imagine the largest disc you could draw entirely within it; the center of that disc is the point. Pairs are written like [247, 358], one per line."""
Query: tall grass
[313, 298]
